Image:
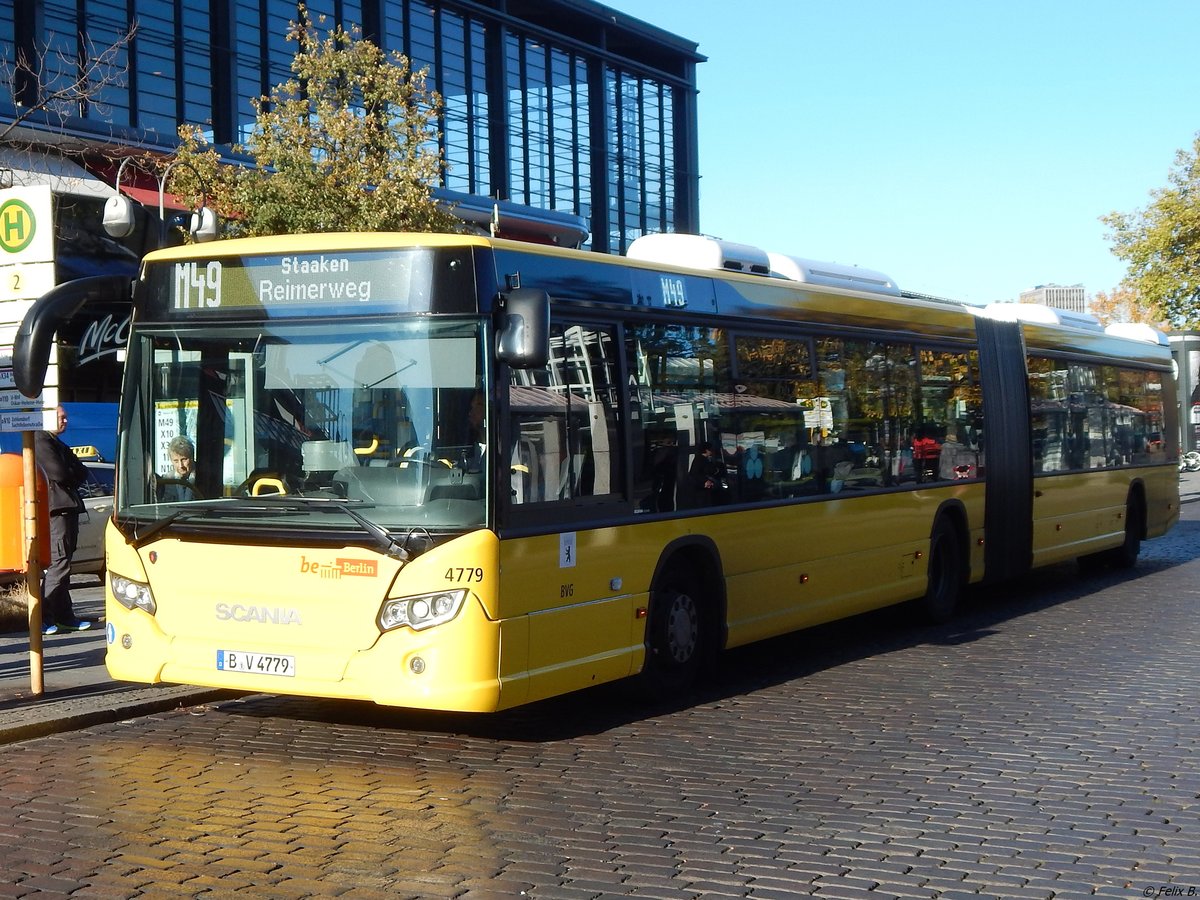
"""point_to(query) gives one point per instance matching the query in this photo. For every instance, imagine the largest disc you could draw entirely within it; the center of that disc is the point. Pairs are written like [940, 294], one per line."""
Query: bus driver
[180, 485]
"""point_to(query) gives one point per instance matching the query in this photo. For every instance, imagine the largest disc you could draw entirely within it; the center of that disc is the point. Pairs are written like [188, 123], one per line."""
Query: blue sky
[966, 149]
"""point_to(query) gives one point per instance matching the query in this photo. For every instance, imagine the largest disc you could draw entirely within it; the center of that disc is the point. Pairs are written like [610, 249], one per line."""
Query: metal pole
[33, 569]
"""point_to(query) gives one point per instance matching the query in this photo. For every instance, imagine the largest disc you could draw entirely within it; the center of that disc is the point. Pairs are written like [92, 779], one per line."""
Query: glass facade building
[555, 104]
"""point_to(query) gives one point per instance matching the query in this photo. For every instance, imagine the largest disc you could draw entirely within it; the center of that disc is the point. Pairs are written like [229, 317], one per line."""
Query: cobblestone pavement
[1042, 745]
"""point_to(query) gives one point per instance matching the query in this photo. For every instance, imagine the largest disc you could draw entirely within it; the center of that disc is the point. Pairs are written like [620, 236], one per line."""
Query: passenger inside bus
[834, 461]
[791, 462]
[707, 477]
[957, 461]
[662, 451]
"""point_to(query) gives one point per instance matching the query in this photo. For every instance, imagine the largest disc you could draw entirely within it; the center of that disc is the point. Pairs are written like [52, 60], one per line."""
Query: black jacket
[64, 472]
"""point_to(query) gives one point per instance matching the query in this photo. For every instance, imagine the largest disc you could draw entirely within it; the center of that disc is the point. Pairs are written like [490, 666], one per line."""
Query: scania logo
[275, 615]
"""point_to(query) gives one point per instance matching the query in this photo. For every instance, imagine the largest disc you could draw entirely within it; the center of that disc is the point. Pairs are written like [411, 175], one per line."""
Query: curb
[57, 715]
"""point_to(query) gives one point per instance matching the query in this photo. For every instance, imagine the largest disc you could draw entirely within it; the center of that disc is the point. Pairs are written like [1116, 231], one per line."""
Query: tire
[676, 634]
[1125, 556]
[945, 573]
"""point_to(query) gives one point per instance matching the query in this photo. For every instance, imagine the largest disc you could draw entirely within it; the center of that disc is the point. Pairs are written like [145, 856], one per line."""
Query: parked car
[98, 506]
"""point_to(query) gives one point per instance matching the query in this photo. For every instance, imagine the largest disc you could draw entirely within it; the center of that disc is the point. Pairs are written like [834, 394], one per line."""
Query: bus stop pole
[33, 565]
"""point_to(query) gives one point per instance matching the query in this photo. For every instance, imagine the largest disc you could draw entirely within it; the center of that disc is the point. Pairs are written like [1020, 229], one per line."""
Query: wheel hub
[682, 628]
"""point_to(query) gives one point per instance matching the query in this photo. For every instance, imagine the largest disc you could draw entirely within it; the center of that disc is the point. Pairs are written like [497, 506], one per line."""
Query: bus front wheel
[675, 636]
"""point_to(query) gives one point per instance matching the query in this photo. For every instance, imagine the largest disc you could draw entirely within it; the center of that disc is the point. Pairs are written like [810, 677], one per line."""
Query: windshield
[308, 424]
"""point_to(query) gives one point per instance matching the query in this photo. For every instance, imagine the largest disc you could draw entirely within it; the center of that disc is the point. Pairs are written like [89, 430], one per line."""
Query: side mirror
[56, 307]
[524, 340]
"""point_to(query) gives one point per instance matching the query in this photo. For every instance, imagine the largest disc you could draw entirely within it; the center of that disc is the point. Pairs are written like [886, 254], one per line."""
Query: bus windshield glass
[311, 424]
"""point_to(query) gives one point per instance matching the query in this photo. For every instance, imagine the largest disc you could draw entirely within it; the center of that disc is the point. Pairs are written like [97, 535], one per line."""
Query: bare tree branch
[60, 84]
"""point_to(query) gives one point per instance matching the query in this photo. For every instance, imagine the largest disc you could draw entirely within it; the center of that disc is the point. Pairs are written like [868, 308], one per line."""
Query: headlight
[422, 611]
[132, 594]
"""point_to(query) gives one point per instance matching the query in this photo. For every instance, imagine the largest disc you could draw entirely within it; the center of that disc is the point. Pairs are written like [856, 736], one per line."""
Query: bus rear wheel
[945, 573]
[675, 636]
[1125, 556]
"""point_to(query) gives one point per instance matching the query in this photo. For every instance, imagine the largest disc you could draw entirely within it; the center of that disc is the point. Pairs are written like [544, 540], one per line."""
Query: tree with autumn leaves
[1161, 245]
[349, 143]
[1124, 304]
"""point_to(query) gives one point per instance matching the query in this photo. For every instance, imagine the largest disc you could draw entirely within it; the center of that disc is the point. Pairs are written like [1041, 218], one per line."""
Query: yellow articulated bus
[458, 473]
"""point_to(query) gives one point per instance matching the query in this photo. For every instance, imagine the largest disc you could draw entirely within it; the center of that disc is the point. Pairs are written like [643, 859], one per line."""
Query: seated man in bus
[181, 484]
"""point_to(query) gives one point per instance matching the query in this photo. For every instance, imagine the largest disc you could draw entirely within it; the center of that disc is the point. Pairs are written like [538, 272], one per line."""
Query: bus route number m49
[674, 295]
[197, 286]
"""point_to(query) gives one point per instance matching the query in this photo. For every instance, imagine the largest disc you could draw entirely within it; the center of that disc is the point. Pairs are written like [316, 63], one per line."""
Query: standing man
[64, 473]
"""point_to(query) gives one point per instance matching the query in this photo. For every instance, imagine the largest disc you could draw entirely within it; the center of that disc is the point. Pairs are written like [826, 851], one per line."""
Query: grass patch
[14, 608]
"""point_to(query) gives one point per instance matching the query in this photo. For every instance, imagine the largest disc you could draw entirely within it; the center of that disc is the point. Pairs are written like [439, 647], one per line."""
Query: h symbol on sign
[14, 226]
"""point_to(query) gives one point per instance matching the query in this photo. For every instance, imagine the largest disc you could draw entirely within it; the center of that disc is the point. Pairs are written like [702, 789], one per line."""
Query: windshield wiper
[142, 537]
[380, 536]
[383, 539]
[191, 511]
[387, 544]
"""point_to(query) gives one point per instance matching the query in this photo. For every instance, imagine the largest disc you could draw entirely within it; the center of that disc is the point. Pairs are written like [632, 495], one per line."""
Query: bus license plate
[258, 663]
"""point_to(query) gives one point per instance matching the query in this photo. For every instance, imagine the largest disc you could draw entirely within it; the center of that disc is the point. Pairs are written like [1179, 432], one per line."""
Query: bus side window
[565, 420]
[774, 454]
[950, 408]
[1048, 406]
[680, 402]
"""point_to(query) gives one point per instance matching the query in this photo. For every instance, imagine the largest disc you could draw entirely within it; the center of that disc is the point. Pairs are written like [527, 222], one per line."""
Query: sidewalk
[1189, 487]
[77, 689]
